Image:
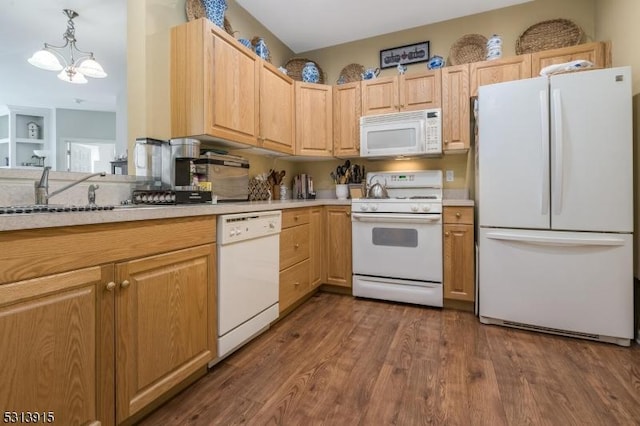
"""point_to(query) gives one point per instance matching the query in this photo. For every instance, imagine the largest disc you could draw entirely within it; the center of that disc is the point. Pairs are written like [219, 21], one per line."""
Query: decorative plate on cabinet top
[468, 48]
[551, 34]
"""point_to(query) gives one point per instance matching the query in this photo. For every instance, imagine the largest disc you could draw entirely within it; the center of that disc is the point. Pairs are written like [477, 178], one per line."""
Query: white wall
[82, 125]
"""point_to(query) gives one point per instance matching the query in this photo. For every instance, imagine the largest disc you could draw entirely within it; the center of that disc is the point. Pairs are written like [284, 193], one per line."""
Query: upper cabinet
[499, 70]
[597, 52]
[347, 109]
[406, 92]
[314, 119]
[214, 84]
[455, 108]
[277, 110]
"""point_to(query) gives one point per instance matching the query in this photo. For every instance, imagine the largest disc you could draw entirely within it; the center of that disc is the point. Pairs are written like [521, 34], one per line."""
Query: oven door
[394, 245]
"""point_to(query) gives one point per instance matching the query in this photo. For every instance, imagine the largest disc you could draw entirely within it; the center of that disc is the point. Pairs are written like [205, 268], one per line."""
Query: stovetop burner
[52, 208]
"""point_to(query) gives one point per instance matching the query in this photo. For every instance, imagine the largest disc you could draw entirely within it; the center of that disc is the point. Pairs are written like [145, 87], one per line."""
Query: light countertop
[20, 221]
[457, 203]
[14, 222]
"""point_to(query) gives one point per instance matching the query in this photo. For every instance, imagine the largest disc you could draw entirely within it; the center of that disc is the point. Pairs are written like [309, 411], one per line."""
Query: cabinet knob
[347, 213]
[110, 286]
[296, 245]
[296, 284]
[458, 215]
[446, 234]
[125, 284]
[296, 218]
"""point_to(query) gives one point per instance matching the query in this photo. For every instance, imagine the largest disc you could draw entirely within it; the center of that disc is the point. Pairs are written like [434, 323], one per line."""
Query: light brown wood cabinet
[597, 52]
[498, 71]
[459, 257]
[314, 119]
[406, 92]
[456, 124]
[347, 109]
[214, 84]
[276, 110]
[163, 330]
[295, 266]
[316, 245]
[118, 318]
[57, 339]
[338, 266]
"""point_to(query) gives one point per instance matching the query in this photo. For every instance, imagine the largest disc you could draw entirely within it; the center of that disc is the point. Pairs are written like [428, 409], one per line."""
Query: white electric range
[397, 241]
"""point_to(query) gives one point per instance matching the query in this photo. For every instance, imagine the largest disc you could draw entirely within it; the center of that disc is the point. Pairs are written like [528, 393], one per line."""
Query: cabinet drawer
[458, 215]
[294, 284]
[294, 245]
[294, 217]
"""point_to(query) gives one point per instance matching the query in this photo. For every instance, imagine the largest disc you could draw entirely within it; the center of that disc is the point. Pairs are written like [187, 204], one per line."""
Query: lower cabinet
[57, 347]
[459, 254]
[163, 334]
[104, 340]
[338, 266]
[295, 269]
[316, 247]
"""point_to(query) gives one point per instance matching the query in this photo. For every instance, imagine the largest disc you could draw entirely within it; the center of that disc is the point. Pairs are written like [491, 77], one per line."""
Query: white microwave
[401, 134]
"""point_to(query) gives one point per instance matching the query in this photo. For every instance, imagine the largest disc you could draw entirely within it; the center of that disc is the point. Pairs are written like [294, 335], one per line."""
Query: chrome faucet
[42, 187]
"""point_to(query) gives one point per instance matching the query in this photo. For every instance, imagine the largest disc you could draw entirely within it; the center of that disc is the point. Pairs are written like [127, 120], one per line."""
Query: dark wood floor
[337, 360]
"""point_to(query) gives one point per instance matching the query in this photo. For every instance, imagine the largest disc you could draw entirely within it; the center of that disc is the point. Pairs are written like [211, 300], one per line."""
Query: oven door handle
[396, 218]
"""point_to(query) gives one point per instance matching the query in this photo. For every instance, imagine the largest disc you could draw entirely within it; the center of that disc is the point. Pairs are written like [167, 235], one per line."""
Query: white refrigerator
[555, 204]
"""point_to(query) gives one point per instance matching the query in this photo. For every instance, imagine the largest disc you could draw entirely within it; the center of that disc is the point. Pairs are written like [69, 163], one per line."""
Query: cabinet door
[347, 109]
[380, 95]
[455, 108]
[57, 339]
[316, 244]
[338, 245]
[165, 323]
[594, 52]
[499, 70]
[314, 119]
[277, 110]
[459, 262]
[214, 84]
[420, 90]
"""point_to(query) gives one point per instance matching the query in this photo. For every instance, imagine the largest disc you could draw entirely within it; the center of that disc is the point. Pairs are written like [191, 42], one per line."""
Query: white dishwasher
[248, 275]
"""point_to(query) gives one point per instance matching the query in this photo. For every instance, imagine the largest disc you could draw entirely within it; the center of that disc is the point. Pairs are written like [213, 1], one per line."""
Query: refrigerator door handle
[544, 151]
[556, 241]
[556, 191]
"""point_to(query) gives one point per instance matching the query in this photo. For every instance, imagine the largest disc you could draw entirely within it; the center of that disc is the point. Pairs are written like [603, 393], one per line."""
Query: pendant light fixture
[75, 67]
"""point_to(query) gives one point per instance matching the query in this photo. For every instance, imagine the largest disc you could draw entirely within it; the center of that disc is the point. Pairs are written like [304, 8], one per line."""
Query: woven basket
[468, 48]
[294, 68]
[547, 35]
[195, 10]
[352, 72]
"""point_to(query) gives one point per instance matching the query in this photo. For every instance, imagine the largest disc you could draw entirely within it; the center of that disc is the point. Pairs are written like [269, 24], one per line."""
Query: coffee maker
[169, 176]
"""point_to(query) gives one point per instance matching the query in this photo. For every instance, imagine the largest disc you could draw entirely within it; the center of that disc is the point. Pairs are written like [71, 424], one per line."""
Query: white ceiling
[305, 25]
[26, 24]
[101, 27]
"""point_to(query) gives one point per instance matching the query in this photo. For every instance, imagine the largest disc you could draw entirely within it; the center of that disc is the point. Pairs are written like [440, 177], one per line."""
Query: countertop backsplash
[17, 187]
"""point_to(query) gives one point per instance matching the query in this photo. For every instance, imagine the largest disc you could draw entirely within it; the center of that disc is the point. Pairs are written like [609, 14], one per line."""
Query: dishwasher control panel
[245, 226]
